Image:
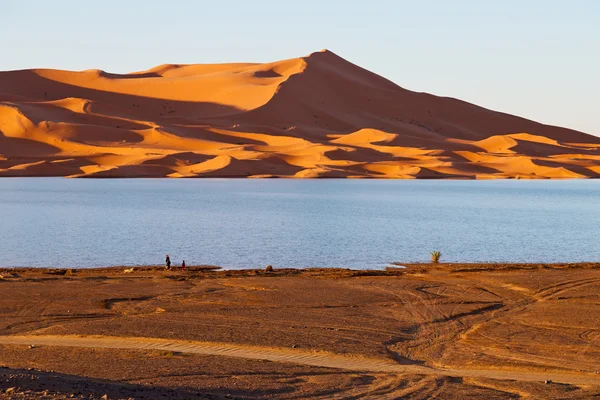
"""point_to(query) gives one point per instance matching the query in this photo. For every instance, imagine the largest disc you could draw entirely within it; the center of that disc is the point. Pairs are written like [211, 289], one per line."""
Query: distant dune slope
[312, 117]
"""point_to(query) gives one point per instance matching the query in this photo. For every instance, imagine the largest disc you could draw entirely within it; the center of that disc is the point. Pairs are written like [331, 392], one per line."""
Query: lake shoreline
[217, 271]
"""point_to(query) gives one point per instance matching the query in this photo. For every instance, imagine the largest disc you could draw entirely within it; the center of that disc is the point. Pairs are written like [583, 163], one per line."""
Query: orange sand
[310, 117]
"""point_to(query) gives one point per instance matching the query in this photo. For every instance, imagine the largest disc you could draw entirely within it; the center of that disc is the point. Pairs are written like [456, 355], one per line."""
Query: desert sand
[318, 116]
[448, 331]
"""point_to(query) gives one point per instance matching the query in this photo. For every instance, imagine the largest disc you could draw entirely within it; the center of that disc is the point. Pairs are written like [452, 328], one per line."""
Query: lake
[248, 223]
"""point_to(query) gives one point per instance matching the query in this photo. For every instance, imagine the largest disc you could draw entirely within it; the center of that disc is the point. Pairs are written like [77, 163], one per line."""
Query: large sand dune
[310, 117]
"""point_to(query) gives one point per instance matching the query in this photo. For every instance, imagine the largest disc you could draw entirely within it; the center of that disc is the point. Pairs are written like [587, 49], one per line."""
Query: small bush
[269, 268]
[435, 257]
[166, 353]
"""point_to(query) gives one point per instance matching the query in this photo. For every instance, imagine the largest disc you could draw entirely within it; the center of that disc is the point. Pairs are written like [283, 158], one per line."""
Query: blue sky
[536, 58]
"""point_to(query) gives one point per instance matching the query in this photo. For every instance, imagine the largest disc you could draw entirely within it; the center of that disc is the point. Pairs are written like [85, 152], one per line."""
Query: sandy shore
[488, 331]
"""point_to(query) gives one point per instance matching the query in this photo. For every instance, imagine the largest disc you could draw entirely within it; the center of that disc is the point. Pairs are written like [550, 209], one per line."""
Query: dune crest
[316, 116]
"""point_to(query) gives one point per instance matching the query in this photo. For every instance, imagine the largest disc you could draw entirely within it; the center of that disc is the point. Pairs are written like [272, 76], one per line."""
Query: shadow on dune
[137, 75]
[36, 88]
[332, 94]
[13, 147]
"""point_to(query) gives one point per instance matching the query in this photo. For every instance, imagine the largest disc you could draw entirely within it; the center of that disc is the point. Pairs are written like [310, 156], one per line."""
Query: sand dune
[310, 117]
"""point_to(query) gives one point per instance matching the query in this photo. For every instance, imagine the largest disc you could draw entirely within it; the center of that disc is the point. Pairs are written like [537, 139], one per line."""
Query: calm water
[239, 223]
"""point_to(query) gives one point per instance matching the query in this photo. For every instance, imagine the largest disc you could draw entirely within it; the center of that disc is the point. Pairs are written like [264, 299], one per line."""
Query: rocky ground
[448, 331]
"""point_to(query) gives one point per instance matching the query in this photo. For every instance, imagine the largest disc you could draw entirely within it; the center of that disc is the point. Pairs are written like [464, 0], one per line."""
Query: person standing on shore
[183, 265]
[167, 262]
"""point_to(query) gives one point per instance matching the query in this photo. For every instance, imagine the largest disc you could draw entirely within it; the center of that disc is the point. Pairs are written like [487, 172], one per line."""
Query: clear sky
[536, 58]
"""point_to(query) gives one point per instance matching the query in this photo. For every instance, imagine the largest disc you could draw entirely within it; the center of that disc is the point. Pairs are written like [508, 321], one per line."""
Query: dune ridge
[318, 116]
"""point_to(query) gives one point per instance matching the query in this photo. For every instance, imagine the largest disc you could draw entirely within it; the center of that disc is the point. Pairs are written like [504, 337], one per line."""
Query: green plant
[435, 256]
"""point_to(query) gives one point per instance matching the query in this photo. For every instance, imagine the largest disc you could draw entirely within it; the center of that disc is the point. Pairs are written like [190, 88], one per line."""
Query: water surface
[247, 223]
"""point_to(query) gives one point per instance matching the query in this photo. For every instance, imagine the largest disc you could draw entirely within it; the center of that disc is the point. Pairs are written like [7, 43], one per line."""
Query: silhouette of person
[183, 265]
[167, 262]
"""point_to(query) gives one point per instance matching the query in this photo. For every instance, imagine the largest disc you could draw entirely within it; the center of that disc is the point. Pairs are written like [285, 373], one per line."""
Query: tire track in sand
[295, 356]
